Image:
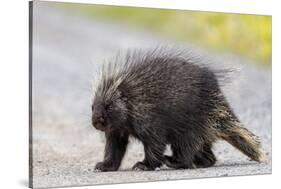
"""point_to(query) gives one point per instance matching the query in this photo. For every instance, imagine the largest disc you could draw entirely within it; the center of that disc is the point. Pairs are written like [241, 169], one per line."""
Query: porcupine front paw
[105, 166]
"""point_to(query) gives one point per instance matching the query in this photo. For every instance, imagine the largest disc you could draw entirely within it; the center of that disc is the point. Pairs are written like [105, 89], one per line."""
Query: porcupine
[162, 97]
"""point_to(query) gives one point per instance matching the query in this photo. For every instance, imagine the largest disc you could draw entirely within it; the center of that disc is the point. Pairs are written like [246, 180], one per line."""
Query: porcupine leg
[153, 157]
[205, 157]
[181, 158]
[184, 150]
[116, 144]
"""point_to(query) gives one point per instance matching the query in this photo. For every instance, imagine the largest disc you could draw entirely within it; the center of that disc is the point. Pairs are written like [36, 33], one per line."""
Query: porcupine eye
[107, 107]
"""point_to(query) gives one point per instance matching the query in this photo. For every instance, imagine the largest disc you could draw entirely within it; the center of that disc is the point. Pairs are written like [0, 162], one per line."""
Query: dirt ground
[67, 52]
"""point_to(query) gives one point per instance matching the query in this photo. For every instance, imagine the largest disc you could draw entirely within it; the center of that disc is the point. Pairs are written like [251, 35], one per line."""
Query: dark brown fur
[162, 98]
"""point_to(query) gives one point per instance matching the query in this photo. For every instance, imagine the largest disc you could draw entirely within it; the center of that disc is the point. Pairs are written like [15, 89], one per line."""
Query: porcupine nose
[98, 122]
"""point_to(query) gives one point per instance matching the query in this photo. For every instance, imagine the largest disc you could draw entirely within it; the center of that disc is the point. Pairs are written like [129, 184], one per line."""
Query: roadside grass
[245, 35]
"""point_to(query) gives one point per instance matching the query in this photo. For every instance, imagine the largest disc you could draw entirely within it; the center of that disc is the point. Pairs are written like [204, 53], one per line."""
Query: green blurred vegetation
[246, 35]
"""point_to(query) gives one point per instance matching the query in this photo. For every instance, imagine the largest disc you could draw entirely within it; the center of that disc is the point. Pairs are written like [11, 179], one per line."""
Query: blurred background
[241, 34]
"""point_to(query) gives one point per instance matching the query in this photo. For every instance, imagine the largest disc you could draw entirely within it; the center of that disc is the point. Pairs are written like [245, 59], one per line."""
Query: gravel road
[67, 52]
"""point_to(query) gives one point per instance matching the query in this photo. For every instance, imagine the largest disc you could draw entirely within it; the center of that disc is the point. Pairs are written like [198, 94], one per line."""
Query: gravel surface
[67, 52]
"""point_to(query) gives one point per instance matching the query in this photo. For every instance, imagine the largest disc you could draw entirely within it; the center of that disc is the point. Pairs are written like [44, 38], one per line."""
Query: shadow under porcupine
[161, 98]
